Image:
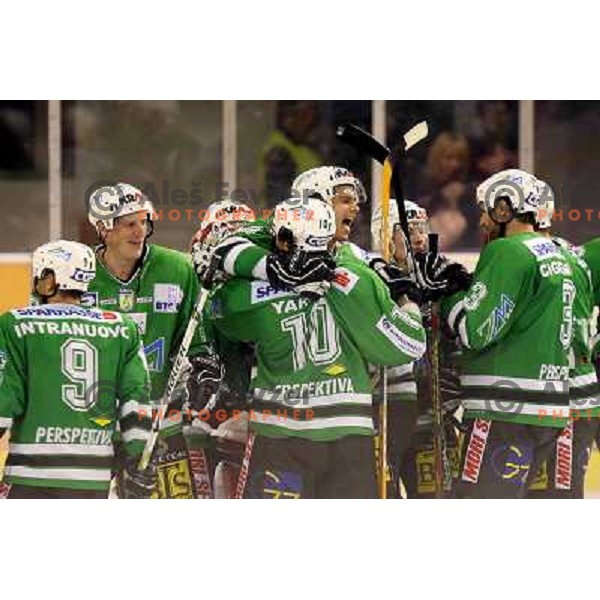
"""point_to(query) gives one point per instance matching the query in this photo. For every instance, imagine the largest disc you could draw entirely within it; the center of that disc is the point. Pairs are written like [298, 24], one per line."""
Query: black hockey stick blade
[360, 139]
[433, 243]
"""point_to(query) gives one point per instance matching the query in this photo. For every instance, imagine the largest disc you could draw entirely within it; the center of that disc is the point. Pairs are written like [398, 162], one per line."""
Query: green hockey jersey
[584, 391]
[516, 326]
[160, 297]
[312, 378]
[67, 375]
[244, 255]
[591, 256]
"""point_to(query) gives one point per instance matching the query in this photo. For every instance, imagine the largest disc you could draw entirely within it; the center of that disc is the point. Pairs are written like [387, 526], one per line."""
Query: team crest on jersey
[89, 300]
[126, 299]
[167, 297]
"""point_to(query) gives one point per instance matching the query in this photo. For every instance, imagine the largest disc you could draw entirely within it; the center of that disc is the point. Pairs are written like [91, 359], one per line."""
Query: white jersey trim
[323, 423]
[313, 401]
[6, 422]
[260, 269]
[538, 385]
[52, 473]
[454, 313]
[515, 408]
[232, 255]
[62, 449]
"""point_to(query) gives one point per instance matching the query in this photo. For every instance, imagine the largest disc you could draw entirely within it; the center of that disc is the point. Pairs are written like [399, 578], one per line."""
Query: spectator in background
[496, 125]
[489, 157]
[287, 151]
[448, 194]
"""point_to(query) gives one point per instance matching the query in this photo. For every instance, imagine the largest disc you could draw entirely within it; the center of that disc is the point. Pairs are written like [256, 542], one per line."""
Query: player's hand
[204, 379]
[134, 484]
[398, 282]
[293, 270]
[201, 257]
[438, 277]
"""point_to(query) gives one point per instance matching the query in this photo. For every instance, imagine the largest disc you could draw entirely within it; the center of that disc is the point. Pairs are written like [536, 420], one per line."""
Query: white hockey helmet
[546, 205]
[229, 211]
[73, 264]
[112, 201]
[221, 218]
[414, 214]
[310, 223]
[518, 187]
[321, 182]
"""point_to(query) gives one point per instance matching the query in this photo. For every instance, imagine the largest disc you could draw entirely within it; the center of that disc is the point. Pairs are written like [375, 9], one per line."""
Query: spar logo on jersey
[58, 312]
[542, 248]
[110, 316]
[344, 280]
[262, 291]
[167, 297]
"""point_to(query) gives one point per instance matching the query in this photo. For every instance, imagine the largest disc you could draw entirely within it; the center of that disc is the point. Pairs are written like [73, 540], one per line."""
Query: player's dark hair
[527, 218]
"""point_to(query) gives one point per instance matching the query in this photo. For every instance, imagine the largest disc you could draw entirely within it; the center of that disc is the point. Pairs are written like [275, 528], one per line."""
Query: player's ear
[102, 232]
[46, 284]
[502, 211]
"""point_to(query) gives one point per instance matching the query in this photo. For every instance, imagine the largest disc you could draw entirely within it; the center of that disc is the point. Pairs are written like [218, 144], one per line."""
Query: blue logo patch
[512, 463]
[277, 485]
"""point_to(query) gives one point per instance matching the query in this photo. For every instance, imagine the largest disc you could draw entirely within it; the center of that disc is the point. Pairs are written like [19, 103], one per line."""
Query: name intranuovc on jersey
[43, 314]
[75, 329]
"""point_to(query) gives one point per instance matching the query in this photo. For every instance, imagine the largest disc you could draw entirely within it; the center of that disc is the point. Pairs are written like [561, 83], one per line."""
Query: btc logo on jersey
[167, 298]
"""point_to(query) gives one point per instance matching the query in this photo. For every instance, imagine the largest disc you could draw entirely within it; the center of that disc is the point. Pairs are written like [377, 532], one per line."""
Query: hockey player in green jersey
[157, 288]
[68, 374]
[515, 323]
[311, 420]
[563, 474]
[591, 255]
[209, 439]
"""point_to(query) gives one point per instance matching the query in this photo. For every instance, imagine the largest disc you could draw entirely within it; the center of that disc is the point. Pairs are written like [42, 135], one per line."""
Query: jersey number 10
[315, 339]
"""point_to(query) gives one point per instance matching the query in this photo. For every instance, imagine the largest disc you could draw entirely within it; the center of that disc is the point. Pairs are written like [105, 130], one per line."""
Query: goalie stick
[365, 142]
[179, 362]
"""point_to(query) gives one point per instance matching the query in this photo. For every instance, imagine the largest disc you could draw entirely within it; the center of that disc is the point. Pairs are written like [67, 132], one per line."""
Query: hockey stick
[179, 362]
[392, 165]
[436, 399]
[360, 139]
